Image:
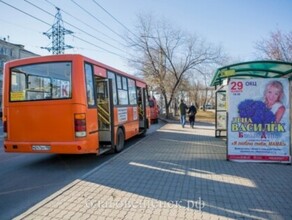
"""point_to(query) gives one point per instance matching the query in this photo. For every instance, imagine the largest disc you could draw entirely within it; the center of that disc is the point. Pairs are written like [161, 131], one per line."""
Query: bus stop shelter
[247, 71]
[244, 70]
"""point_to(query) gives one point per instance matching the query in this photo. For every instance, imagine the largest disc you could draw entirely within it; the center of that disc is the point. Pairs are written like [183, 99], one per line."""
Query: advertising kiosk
[253, 109]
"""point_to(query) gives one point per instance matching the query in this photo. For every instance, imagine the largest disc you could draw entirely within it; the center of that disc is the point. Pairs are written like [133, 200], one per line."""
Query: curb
[75, 182]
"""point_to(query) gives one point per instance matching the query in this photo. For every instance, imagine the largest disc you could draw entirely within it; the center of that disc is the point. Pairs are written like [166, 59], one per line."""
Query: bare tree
[164, 55]
[206, 91]
[277, 46]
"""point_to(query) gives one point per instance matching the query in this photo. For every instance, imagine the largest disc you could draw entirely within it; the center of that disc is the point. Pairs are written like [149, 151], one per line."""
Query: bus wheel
[120, 140]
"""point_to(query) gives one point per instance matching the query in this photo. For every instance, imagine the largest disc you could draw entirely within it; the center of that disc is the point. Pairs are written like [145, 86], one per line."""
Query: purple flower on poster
[256, 111]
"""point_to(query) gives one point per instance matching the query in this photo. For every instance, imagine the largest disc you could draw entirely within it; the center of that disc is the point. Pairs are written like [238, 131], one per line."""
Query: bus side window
[132, 92]
[89, 84]
[112, 75]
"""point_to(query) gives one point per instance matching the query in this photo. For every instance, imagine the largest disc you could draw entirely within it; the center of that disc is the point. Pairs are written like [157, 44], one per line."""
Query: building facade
[10, 51]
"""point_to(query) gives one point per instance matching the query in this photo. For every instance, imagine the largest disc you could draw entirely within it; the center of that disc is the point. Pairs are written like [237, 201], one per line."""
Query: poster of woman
[258, 120]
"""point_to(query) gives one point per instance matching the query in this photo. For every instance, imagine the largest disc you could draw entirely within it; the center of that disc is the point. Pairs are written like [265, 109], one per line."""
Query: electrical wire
[20, 26]
[1, 1]
[99, 47]
[124, 26]
[79, 29]
[98, 20]
[25, 12]
[98, 31]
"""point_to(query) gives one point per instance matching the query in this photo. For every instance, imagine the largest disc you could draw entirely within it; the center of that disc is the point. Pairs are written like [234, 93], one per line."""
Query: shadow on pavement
[191, 171]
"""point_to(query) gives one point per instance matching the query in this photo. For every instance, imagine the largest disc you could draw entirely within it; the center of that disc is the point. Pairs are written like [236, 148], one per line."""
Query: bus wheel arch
[120, 140]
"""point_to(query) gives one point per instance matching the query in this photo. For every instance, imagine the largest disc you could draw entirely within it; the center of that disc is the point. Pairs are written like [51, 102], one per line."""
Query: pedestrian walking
[183, 110]
[192, 113]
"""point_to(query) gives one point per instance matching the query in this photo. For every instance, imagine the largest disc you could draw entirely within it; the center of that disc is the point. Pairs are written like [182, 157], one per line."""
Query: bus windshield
[43, 81]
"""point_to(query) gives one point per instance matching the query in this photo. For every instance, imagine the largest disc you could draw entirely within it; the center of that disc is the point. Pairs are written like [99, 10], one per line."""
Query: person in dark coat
[192, 113]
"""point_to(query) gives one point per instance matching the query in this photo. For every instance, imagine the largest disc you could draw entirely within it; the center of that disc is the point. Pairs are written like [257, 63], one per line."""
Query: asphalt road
[26, 179]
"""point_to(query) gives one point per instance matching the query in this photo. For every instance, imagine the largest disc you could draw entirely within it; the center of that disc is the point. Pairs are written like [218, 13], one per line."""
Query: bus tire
[120, 141]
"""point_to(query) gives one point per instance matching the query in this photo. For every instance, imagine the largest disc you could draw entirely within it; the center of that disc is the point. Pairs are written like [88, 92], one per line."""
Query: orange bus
[154, 110]
[70, 104]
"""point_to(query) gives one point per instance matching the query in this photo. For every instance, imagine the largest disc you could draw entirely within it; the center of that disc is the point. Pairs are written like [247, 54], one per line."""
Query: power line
[98, 31]
[25, 13]
[20, 26]
[99, 47]
[98, 20]
[94, 37]
[124, 26]
[66, 22]
[78, 28]
[39, 8]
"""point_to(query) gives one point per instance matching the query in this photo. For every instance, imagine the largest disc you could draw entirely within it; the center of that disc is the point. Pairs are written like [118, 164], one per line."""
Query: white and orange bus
[70, 104]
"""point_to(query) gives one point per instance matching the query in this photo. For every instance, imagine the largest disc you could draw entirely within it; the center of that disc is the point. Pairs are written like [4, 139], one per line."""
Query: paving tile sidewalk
[174, 173]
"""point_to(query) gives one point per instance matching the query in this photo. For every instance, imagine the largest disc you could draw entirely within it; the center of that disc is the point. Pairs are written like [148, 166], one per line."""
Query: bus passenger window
[89, 85]
[132, 92]
[123, 91]
[112, 76]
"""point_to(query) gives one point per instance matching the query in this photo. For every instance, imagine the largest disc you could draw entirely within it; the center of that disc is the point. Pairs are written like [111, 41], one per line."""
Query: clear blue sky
[234, 24]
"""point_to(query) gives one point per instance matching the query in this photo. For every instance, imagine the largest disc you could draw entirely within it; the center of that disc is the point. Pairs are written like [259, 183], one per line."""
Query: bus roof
[60, 57]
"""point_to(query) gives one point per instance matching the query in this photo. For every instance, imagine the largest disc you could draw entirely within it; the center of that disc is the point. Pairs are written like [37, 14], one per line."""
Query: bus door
[105, 114]
[142, 103]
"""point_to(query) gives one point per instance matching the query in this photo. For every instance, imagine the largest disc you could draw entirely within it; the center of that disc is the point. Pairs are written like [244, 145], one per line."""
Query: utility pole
[57, 33]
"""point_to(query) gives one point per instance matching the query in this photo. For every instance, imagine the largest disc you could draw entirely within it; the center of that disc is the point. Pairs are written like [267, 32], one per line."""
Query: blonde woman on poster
[273, 96]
